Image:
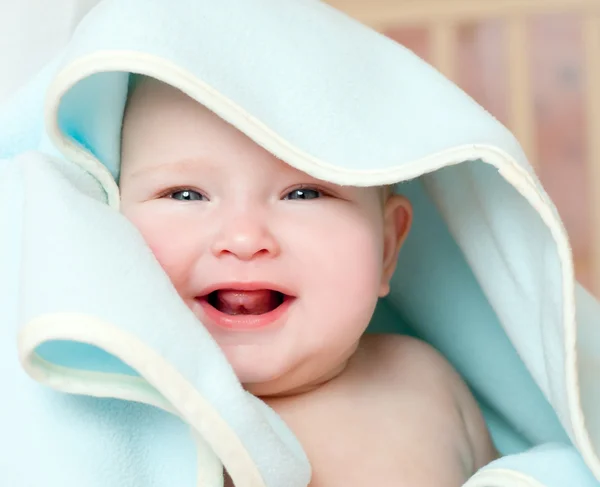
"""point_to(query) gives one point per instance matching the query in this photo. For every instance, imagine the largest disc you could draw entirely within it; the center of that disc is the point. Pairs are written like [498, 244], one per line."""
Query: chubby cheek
[343, 268]
[174, 249]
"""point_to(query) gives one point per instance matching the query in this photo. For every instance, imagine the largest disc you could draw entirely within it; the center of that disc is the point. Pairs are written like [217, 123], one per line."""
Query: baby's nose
[245, 238]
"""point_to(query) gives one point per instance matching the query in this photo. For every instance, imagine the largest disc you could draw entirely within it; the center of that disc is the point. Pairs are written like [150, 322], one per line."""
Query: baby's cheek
[168, 247]
[361, 253]
[167, 256]
[348, 261]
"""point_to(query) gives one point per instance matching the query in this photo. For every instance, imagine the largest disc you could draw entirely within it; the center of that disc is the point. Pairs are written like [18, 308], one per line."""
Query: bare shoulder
[397, 407]
[414, 363]
[407, 359]
[403, 352]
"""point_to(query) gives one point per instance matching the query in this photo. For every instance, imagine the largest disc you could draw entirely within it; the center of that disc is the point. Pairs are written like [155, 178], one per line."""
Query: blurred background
[534, 64]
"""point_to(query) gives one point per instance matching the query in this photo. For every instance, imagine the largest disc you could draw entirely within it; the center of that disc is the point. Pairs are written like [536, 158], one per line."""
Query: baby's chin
[260, 371]
[277, 375]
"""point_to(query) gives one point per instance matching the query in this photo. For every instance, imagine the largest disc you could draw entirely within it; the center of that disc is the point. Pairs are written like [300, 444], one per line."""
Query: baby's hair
[134, 82]
[386, 191]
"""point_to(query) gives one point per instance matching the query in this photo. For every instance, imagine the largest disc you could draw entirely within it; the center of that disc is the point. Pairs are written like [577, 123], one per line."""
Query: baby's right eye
[187, 195]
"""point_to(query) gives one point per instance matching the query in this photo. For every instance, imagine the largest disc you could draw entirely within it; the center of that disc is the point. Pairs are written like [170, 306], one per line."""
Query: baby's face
[283, 270]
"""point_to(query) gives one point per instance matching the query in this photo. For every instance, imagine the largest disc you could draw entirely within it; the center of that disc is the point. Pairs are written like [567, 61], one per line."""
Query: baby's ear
[397, 214]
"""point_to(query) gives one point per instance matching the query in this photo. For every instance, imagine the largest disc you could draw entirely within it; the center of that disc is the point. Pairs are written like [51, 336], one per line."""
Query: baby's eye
[303, 194]
[187, 195]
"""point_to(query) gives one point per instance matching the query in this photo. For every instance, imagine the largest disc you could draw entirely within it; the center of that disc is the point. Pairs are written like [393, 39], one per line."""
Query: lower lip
[243, 322]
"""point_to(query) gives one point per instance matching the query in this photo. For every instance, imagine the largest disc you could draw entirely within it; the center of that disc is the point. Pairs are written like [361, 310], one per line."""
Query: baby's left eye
[303, 194]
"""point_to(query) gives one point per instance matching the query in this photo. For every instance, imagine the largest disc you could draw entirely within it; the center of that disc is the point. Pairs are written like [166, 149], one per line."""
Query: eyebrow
[179, 166]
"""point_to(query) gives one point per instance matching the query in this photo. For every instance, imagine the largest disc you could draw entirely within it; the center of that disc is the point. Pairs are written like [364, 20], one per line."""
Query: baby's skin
[285, 270]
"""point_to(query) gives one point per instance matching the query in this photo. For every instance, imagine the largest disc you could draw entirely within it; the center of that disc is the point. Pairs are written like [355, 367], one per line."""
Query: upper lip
[245, 286]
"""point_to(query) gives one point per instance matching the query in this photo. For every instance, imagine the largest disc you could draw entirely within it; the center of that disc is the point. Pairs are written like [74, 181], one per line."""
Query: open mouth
[237, 309]
[237, 302]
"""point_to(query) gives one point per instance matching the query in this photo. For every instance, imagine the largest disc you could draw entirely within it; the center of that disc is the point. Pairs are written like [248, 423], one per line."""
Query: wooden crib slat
[380, 14]
[591, 42]
[444, 40]
[521, 103]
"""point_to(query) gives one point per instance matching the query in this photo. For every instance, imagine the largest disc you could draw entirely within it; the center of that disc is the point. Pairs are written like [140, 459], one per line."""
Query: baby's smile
[244, 306]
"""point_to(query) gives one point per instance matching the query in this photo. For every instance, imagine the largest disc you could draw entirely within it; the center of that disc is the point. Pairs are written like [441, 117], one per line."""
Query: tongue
[246, 302]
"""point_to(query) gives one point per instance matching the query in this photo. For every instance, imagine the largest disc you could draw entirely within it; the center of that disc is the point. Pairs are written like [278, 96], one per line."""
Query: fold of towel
[550, 465]
[107, 342]
[491, 287]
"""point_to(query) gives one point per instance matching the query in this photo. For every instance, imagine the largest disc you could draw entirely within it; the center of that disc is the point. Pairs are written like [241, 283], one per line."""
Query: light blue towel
[491, 284]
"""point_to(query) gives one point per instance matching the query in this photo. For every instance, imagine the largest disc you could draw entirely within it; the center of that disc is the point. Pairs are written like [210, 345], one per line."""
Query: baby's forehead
[147, 94]
[151, 98]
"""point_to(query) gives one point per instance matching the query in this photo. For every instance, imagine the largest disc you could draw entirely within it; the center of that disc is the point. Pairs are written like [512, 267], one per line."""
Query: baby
[285, 270]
